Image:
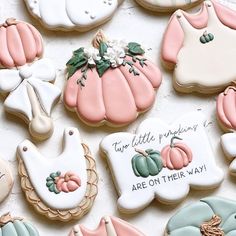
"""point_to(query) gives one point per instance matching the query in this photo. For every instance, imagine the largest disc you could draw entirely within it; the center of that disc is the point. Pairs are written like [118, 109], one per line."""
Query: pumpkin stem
[9, 22]
[233, 86]
[98, 38]
[142, 152]
[172, 141]
[6, 218]
[211, 227]
[205, 33]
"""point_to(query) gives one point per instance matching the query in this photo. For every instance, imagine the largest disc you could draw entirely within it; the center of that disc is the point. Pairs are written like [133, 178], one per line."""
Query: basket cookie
[109, 226]
[161, 162]
[192, 47]
[111, 82]
[72, 14]
[62, 188]
[211, 216]
[25, 78]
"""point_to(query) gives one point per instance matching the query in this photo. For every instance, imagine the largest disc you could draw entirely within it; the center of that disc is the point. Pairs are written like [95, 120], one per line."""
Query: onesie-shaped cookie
[111, 82]
[109, 226]
[211, 216]
[81, 15]
[161, 161]
[61, 188]
[201, 48]
[25, 78]
[167, 5]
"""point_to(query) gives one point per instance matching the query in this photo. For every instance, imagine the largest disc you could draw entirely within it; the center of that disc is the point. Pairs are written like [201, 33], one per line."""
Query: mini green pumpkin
[10, 226]
[51, 182]
[206, 37]
[146, 163]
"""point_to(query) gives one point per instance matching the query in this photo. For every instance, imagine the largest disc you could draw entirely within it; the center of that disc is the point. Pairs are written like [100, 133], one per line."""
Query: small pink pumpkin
[68, 182]
[176, 155]
[226, 108]
[118, 84]
[20, 43]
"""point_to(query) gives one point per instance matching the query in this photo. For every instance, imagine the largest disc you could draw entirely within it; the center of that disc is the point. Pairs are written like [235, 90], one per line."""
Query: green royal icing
[188, 220]
[206, 37]
[147, 163]
[51, 182]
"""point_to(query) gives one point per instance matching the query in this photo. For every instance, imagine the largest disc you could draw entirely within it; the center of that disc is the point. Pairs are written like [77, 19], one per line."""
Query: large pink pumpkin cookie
[111, 83]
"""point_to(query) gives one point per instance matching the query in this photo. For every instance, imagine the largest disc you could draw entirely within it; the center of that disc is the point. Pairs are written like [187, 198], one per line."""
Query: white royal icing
[168, 186]
[30, 93]
[72, 13]
[39, 168]
[6, 180]
[200, 65]
[228, 143]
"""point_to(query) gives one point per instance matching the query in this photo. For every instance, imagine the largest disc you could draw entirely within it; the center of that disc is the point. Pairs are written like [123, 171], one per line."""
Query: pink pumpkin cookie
[25, 78]
[195, 45]
[111, 83]
[109, 226]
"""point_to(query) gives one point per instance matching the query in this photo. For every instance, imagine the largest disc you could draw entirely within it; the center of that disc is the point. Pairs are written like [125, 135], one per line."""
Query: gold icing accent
[62, 215]
[211, 227]
[6, 218]
[98, 38]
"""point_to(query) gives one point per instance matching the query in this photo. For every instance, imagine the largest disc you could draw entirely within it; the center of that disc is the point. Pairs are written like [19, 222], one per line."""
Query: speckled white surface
[132, 23]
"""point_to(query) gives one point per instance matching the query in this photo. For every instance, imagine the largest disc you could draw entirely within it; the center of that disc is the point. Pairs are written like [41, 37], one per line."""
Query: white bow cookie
[31, 95]
[61, 188]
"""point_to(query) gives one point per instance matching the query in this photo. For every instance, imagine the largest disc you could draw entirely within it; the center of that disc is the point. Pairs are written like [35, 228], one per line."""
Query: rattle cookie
[109, 226]
[161, 161]
[111, 82]
[61, 188]
[25, 78]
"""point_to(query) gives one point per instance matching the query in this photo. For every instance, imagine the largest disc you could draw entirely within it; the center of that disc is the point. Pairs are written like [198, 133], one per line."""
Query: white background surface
[133, 24]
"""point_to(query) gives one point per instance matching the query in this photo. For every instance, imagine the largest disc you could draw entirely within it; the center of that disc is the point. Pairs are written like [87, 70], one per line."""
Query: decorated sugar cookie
[167, 5]
[111, 83]
[61, 188]
[72, 14]
[161, 161]
[16, 226]
[212, 216]
[109, 226]
[192, 47]
[25, 78]
[6, 180]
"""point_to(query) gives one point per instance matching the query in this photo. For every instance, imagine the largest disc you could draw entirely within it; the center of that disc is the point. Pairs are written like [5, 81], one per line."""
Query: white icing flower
[118, 43]
[93, 55]
[115, 55]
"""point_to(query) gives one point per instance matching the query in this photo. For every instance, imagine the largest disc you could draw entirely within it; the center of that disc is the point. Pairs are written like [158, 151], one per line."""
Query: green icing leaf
[102, 66]
[102, 49]
[135, 49]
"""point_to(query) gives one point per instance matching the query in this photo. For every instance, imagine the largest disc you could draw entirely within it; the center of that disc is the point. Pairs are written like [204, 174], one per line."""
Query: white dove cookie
[61, 188]
[161, 161]
[72, 14]
[26, 80]
[109, 226]
[6, 180]
[167, 5]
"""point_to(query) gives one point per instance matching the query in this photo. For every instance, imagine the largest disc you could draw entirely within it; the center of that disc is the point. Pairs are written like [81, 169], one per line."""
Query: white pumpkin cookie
[109, 226]
[161, 161]
[78, 15]
[25, 80]
[6, 180]
[167, 5]
[61, 188]
[16, 226]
